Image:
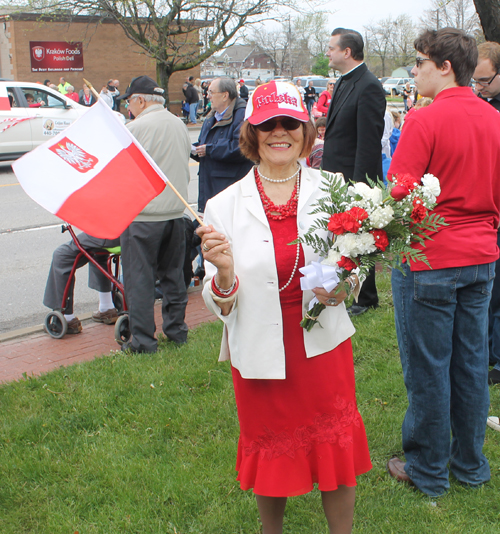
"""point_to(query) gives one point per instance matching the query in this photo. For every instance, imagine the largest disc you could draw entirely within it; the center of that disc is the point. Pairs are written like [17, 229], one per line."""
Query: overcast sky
[355, 14]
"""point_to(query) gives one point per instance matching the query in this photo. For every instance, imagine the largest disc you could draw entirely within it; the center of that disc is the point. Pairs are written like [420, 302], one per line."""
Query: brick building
[106, 51]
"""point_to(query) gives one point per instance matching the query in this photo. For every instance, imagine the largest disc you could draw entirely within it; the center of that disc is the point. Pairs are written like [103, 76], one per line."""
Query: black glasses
[287, 123]
[484, 83]
[420, 60]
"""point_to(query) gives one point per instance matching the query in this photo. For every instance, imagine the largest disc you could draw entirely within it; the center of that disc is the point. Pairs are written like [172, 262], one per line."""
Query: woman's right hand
[217, 250]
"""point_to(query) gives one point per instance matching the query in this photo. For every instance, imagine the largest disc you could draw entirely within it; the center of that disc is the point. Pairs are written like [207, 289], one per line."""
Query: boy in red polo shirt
[442, 314]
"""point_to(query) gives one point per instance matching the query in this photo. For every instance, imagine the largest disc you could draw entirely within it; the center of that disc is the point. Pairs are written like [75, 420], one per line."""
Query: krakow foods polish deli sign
[56, 56]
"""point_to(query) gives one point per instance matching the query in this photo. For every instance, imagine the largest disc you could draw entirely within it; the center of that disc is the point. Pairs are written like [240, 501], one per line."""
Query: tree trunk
[489, 15]
[162, 79]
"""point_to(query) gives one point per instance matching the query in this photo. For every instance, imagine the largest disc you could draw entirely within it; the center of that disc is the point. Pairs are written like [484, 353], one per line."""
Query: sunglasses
[420, 60]
[287, 123]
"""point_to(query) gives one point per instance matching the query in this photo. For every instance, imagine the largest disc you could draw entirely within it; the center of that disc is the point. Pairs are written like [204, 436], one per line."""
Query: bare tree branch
[168, 30]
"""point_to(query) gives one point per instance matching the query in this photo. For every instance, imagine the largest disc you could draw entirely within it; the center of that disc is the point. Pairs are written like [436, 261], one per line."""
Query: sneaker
[107, 317]
[74, 326]
[493, 422]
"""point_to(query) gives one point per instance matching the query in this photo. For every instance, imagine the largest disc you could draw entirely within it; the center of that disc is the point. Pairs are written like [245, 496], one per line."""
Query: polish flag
[93, 175]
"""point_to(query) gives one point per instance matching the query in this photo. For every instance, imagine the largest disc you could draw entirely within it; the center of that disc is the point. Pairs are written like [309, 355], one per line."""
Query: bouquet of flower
[369, 224]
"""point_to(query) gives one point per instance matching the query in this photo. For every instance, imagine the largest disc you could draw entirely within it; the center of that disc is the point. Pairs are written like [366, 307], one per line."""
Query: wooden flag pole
[91, 87]
[195, 215]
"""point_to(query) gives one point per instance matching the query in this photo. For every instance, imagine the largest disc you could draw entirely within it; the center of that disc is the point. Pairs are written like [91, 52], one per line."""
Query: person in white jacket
[295, 393]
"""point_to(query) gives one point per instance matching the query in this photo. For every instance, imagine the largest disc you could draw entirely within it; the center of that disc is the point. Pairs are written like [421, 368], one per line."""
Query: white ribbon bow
[319, 275]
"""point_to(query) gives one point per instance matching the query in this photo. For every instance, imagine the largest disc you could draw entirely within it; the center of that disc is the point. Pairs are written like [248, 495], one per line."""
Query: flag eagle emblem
[73, 155]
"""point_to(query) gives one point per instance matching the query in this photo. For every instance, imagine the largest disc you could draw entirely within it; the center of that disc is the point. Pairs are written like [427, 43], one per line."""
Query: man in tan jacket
[153, 246]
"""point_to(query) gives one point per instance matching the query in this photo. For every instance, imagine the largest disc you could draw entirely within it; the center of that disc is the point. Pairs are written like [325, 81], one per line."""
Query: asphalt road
[28, 236]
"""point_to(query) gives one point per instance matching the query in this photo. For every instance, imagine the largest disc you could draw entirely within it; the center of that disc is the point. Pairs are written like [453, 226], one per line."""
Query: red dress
[305, 429]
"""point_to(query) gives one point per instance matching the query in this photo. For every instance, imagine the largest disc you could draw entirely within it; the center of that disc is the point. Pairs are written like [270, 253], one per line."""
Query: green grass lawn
[146, 444]
[394, 98]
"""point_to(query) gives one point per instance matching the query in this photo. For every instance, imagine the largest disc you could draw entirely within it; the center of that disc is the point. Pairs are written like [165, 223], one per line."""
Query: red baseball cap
[241, 81]
[275, 99]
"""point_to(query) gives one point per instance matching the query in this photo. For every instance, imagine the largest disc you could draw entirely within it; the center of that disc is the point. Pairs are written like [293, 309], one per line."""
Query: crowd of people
[259, 157]
[109, 92]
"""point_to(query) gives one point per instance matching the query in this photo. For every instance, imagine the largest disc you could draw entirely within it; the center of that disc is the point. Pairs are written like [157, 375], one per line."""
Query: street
[28, 236]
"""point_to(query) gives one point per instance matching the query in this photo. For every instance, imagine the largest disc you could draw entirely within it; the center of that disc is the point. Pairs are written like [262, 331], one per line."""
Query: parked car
[30, 114]
[250, 84]
[394, 86]
[320, 83]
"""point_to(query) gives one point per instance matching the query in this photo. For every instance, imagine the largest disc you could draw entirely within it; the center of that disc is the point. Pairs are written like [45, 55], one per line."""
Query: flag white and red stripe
[94, 174]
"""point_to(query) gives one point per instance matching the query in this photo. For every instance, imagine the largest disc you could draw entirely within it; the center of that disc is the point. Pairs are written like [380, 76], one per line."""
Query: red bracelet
[225, 295]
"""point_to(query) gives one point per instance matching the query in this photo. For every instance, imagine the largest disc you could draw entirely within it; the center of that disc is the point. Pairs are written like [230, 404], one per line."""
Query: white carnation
[346, 245]
[333, 257]
[381, 217]
[352, 245]
[366, 243]
[366, 193]
[431, 183]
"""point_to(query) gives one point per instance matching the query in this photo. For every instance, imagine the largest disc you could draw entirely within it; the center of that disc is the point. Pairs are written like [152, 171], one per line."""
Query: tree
[378, 41]
[320, 66]
[489, 15]
[274, 43]
[167, 30]
[295, 43]
[403, 38]
[391, 41]
[454, 13]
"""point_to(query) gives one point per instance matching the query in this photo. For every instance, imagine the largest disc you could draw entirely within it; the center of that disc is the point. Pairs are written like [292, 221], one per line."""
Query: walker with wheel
[55, 323]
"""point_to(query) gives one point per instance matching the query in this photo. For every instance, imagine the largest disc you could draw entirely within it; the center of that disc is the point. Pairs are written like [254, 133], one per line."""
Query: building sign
[56, 56]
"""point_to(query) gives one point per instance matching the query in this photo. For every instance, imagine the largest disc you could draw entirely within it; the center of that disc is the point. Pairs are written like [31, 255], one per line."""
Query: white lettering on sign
[67, 51]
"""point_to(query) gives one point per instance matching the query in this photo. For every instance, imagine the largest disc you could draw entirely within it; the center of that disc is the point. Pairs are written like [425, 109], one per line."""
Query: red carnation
[346, 263]
[381, 240]
[351, 224]
[398, 192]
[419, 211]
[358, 213]
[408, 181]
[336, 224]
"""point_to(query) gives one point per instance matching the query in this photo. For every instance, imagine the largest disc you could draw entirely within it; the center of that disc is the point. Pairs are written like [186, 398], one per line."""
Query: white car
[31, 113]
[394, 86]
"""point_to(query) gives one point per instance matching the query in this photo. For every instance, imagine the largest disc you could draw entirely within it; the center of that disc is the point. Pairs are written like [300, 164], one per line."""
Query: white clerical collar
[352, 70]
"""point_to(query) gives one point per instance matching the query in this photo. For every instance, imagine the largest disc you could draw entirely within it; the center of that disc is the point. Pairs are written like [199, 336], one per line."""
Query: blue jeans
[494, 318]
[442, 328]
[192, 112]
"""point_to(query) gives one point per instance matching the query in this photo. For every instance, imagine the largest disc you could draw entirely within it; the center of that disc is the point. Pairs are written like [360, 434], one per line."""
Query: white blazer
[253, 331]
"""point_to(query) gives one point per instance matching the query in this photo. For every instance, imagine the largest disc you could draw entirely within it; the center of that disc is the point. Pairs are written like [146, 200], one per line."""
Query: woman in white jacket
[299, 423]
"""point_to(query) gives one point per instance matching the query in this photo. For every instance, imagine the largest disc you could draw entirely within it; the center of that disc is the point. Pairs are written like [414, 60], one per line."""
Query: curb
[36, 329]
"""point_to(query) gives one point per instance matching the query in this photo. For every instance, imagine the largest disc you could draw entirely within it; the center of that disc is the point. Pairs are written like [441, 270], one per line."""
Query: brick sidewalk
[39, 353]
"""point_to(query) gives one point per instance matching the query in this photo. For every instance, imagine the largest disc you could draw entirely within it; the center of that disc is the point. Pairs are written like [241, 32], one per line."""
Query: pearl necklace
[294, 267]
[279, 181]
[296, 264]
